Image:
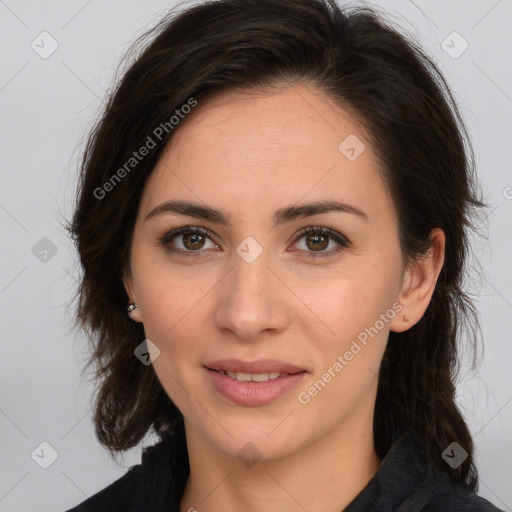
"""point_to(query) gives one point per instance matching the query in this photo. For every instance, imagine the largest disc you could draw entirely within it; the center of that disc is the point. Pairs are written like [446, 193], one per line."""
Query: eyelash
[337, 237]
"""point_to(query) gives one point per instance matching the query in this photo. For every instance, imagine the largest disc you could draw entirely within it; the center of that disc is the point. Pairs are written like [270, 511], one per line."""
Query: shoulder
[449, 494]
[119, 495]
[145, 486]
[409, 482]
[455, 503]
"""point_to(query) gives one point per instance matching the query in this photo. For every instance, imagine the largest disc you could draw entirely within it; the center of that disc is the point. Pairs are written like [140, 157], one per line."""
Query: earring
[405, 318]
[131, 307]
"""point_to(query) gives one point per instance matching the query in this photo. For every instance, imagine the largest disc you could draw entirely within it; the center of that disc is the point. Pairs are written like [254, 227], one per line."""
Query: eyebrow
[281, 216]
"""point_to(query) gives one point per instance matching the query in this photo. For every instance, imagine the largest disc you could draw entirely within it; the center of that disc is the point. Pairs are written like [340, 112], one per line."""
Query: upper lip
[259, 366]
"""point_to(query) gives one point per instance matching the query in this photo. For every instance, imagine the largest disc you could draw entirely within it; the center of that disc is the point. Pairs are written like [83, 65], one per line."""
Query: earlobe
[133, 312]
[419, 283]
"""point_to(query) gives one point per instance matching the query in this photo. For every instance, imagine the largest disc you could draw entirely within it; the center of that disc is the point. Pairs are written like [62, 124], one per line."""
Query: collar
[404, 482]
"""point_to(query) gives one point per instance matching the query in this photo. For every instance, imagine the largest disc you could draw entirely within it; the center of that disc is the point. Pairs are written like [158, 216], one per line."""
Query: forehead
[237, 148]
[293, 123]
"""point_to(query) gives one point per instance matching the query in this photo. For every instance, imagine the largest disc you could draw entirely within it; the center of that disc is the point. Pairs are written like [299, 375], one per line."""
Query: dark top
[404, 483]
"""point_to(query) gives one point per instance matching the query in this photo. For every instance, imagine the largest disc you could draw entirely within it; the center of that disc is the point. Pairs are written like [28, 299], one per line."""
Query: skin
[249, 155]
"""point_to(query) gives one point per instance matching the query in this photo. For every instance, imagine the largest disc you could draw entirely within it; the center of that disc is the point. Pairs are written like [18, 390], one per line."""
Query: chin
[268, 439]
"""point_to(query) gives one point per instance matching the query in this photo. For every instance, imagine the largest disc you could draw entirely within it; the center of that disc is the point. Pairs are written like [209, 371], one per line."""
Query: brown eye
[317, 239]
[193, 241]
[187, 240]
[190, 240]
[318, 242]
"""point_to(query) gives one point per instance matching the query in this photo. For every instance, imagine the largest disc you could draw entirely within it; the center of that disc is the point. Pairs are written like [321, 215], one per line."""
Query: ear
[419, 283]
[134, 315]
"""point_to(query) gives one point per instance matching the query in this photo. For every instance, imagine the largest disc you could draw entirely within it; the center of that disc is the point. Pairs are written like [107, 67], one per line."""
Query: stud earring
[405, 318]
[131, 307]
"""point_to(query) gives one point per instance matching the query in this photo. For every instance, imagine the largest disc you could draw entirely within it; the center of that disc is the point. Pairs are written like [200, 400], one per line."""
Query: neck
[324, 476]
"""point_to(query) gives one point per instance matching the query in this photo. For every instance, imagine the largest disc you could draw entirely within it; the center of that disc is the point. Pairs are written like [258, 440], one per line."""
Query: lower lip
[253, 393]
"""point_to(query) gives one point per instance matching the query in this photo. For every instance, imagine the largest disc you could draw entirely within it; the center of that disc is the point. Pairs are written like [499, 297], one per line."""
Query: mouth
[269, 367]
[252, 377]
[253, 383]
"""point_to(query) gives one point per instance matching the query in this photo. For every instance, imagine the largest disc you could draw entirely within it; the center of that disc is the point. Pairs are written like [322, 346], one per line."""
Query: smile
[253, 389]
[253, 377]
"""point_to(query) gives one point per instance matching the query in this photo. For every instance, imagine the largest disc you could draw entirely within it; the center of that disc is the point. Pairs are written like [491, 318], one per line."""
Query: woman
[273, 224]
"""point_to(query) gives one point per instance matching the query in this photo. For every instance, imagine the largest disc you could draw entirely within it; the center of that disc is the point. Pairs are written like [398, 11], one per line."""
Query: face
[254, 293]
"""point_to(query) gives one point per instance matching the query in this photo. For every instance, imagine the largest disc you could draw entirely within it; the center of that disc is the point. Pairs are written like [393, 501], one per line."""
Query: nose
[253, 298]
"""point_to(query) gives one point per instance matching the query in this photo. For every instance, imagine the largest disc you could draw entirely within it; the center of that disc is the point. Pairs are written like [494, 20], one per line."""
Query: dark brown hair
[357, 59]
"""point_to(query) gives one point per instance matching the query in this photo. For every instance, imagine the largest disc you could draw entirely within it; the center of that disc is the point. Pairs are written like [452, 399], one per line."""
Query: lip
[259, 366]
[253, 394]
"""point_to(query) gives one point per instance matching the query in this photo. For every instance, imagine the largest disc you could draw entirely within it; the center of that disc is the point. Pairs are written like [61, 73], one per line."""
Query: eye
[191, 238]
[316, 239]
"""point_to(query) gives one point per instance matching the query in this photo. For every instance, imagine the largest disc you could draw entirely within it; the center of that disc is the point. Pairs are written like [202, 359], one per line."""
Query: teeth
[254, 377]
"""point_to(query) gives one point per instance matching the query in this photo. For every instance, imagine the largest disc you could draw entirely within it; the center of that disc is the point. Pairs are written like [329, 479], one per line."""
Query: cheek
[173, 316]
[356, 310]
[170, 297]
[349, 304]
[347, 360]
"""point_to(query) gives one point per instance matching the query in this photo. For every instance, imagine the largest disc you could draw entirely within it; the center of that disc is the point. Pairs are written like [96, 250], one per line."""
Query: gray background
[47, 104]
